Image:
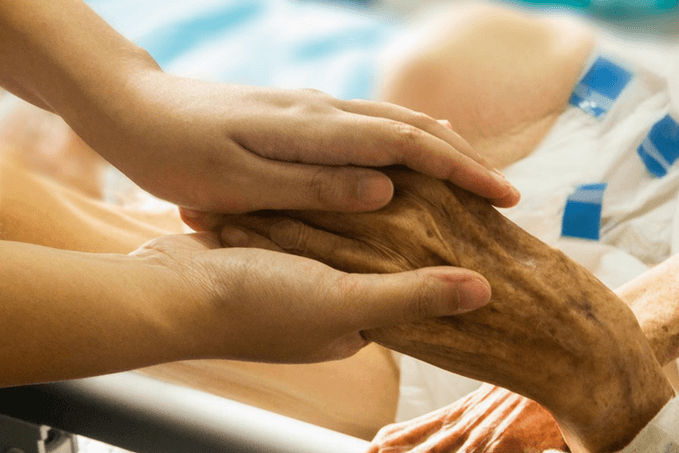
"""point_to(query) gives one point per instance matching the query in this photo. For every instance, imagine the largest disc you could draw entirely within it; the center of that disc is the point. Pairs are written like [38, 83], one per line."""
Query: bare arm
[493, 419]
[70, 314]
[61, 56]
[239, 148]
[552, 331]
[73, 314]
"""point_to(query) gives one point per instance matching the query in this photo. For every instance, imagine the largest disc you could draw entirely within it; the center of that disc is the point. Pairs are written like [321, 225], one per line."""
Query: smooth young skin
[73, 314]
[355, 396]
[218, 147]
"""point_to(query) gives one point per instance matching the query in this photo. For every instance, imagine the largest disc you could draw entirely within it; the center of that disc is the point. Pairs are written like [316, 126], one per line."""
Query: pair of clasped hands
[240, 149]
[291, 150]
[294, 150]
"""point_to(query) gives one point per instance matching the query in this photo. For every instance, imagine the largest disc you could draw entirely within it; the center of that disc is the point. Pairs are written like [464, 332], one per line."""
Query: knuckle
[314, 92]
[419, 305]
[291, 235]
[315, 101]
[409, 139]
[348, 287]
[325, 186]
[408, 133]
[348, 292]
[416, 310]
[302, 240]
[422, 120]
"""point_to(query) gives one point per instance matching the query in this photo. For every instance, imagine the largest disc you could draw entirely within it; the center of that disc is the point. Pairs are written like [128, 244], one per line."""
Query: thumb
[388, 299]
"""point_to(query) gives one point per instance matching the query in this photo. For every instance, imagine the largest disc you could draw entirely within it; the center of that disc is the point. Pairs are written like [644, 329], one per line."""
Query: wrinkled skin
[552, 332]
[490, 420]
[494, 420]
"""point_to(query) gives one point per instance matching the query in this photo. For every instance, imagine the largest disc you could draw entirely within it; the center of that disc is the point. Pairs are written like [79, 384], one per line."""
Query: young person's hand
[254, 304]
[226, 148]
[217, 147]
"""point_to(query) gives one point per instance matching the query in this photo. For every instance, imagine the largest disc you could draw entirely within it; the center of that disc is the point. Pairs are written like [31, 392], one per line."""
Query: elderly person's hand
[488, 420]
[264, 305]
[551, 332]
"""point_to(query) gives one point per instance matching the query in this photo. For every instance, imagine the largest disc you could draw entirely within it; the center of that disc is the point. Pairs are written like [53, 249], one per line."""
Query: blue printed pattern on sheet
[600, 87]
[582, 216]
[660, 148]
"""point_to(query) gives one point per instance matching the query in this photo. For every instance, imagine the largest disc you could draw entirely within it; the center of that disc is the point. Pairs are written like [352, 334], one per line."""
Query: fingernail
[516, 192]
[284, 234]
[472, 294]
[375, 190]
[235, 237]
[500, 178]
[191, 213]
[513, 190]
[446, 124]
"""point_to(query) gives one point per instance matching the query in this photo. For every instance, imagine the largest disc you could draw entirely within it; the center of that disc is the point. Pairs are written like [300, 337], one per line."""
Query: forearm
[588, 360]
[61, 56]
[70, 314]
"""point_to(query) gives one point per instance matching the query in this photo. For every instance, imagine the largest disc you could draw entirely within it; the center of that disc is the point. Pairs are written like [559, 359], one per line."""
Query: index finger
[402, 136]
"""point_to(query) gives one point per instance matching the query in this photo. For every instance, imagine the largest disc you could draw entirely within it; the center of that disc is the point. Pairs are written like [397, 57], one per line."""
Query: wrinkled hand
[254, 304]
[488, 420]
[227, 148]
[588, 360]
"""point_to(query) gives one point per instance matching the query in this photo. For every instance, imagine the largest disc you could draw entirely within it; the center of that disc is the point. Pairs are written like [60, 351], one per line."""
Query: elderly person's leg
[356, 396]
[500, 76]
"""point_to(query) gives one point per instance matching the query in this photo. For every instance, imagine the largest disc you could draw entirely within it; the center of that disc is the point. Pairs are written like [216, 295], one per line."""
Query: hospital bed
[146, 415]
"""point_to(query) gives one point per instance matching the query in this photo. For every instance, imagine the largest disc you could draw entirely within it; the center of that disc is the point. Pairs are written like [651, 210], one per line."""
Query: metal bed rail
[146, 415]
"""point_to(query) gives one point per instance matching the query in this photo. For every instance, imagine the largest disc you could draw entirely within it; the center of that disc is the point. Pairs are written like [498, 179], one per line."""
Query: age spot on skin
[585, 306]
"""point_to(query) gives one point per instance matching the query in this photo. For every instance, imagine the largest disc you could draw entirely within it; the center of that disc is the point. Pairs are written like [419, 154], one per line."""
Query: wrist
[172, 302]
[616, 401]
[140, 314]
[180, 293]
[104, 96]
